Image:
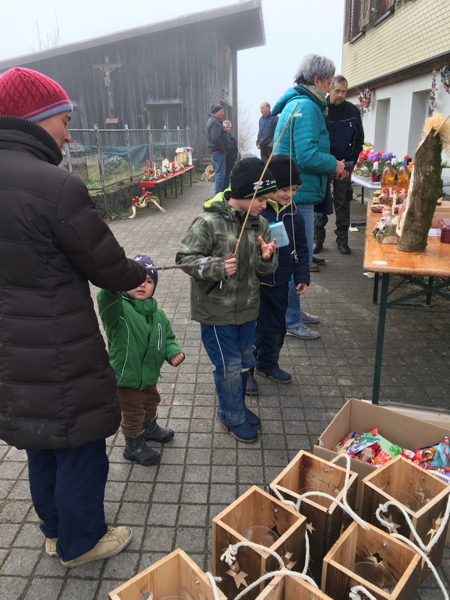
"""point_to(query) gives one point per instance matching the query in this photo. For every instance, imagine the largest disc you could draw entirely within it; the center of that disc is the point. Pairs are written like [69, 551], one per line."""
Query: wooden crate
[374, 546]
[325, 520]
[256, 508]
[425, 503]
[290, 588]
[174, 575]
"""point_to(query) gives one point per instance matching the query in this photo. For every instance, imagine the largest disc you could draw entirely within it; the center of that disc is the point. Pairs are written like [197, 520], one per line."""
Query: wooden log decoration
[425, 188]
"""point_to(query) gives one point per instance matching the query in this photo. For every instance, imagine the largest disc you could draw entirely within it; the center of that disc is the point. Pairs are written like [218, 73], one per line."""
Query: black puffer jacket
[57, 389]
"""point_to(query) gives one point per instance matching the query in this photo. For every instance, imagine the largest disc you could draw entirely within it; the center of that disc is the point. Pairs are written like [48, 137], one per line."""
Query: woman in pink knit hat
[57, 389]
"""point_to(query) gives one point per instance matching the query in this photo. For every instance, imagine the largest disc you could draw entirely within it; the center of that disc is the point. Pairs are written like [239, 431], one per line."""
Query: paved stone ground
[203, 469]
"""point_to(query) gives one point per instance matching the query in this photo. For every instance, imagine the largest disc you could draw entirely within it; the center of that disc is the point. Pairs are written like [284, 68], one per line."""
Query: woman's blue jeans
[293, 313]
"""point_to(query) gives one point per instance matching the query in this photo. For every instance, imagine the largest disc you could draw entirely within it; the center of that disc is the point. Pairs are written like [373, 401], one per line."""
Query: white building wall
[407, 112]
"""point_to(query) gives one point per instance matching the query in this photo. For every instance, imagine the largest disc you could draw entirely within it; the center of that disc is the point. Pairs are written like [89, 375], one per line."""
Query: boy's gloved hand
[176, 360]
[267, 249]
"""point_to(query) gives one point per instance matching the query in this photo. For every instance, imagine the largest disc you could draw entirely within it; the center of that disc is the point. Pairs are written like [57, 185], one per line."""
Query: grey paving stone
[75, 589]
[14, 511]
[159, 539]
[11, 588]
[194, 493]
[20, 562]
[193, 515]
[122, 566]
[7, 533]
[30, 536]
[163, 514]
[191, 539]
[43, 589]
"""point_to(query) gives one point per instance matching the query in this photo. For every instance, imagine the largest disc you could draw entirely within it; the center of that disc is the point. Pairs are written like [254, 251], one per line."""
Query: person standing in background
[218, 144]
[346, 142]
[232, 155]
[267, 124]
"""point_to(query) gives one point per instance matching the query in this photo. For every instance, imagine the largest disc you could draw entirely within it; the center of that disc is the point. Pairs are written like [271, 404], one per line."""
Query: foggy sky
[293, 28]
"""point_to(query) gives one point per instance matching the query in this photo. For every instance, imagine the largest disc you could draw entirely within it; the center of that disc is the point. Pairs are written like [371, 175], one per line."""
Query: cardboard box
[399, 429]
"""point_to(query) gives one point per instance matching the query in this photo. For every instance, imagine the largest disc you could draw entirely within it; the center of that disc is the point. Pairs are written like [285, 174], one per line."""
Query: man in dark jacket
[266, 130]
[346, 139]
[218, 144]
[232, 155]
[57, 393]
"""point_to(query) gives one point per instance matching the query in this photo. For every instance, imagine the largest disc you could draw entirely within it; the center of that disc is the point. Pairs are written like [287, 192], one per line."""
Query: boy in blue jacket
[140, 339]
[293, 259]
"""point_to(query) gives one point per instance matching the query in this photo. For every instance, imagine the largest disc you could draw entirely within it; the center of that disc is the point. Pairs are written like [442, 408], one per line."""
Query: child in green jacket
[140, 338]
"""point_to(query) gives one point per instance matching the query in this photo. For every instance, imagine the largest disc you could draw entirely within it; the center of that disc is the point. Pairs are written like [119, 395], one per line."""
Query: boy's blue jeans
[219, 161]
[230, 349]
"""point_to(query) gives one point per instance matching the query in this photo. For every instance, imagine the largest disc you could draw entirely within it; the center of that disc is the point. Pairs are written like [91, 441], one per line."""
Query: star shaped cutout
[288, 563]
[436, 524]
[336, 489]
[394, 527]
[186, 595]
[425, 493]
[376, 559]
[238, 575]
[310, 528]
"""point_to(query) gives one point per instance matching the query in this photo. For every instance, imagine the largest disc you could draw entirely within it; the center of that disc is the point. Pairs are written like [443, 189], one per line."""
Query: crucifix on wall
[107, 69]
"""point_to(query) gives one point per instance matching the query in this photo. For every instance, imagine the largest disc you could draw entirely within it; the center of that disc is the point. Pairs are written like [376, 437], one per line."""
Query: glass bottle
[387, 181]
[403, 178]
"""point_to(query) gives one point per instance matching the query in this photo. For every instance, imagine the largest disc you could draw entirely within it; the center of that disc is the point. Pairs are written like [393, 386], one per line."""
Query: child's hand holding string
[267, 249]
[176, 360]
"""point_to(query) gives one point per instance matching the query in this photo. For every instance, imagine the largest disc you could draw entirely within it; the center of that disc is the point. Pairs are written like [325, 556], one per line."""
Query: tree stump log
[425, 190]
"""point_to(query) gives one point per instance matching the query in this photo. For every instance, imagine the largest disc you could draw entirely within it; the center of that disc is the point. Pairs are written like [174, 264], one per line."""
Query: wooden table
[160, 184]
[388, 260]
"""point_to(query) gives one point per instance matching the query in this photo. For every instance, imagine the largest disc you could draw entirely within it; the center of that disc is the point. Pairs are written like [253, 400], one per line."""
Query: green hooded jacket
[216, 300]
[140, 338]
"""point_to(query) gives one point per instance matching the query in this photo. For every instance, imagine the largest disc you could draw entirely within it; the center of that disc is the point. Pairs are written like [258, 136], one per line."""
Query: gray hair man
[346, 142]
[267, 124]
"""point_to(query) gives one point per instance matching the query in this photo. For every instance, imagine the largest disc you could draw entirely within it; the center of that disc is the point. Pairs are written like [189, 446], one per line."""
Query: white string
[360, 588]
[343, 505]
[421, 551]
[294, 252]
[307, 553]
[229, 556]
[426, 548]
[275, 574]
[213, 582]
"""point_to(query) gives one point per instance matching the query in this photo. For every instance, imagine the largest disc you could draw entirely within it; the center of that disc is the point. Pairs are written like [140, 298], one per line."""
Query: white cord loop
[214, 581]
[229, 556]
[354, 595]
[275, 574]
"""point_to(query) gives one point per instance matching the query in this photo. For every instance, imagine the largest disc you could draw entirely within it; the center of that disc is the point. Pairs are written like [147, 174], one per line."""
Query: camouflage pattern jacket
[216, 300]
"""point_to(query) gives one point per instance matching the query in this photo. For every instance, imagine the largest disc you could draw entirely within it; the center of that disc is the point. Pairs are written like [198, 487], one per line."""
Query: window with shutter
[365, 13]
[355, 18]
[347, 19]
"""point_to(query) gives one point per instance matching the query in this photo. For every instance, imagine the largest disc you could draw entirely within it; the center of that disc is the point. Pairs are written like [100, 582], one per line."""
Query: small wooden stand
[325, 520]
[256, 508]
[357, 545]
[423, 495]
[291, 588]
[174, 575]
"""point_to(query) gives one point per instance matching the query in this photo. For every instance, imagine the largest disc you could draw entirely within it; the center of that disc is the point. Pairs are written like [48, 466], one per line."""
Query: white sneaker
[308, 319]
[303, 332]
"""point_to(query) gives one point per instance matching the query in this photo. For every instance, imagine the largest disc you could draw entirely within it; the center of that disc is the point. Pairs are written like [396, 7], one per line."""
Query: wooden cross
[107, 69]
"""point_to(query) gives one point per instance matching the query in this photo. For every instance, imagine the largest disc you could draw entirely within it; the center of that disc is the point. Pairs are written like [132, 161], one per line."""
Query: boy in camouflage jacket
[225, 294]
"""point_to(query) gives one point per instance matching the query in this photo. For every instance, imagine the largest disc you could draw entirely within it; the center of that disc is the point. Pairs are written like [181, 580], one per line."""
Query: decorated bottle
[387, 182]
[403, 178]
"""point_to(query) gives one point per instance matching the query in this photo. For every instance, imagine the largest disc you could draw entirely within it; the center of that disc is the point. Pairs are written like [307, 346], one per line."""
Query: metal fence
[105, 157]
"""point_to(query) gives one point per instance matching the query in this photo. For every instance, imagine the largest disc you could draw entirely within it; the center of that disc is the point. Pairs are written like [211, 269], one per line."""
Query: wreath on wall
[432, 100]
[365, 101]
[445, 78]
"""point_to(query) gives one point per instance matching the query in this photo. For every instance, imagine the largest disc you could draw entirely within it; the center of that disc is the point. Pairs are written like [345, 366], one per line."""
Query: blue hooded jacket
[295, 229]
[310, 141]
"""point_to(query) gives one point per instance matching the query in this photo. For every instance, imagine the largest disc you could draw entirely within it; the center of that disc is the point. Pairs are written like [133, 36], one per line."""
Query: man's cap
[285, 171]
[148, 264]
[245, 176]
[215, 108]
[31, 95]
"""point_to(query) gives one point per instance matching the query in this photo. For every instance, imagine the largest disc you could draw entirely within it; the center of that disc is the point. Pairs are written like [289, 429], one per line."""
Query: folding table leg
[380, 338]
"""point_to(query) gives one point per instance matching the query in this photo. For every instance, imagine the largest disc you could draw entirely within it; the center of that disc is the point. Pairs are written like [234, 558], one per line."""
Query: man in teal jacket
[306, 140]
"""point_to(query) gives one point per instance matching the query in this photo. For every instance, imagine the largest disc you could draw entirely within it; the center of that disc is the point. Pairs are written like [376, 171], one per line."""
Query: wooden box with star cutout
[325, 520]
[256, 516]
[423, 495]
[174, 575]
[386, 567]
[291, 588]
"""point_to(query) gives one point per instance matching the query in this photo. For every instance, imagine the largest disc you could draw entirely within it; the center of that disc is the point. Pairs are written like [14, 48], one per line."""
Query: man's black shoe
[314, 268]
[317, 248]
[318, 261]
[343, 248]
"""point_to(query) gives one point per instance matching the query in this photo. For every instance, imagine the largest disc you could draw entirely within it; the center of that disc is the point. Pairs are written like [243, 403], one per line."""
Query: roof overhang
[241, 23]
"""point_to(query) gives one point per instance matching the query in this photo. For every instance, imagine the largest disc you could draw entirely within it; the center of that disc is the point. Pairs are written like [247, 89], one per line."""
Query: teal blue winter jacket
[309, 145]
